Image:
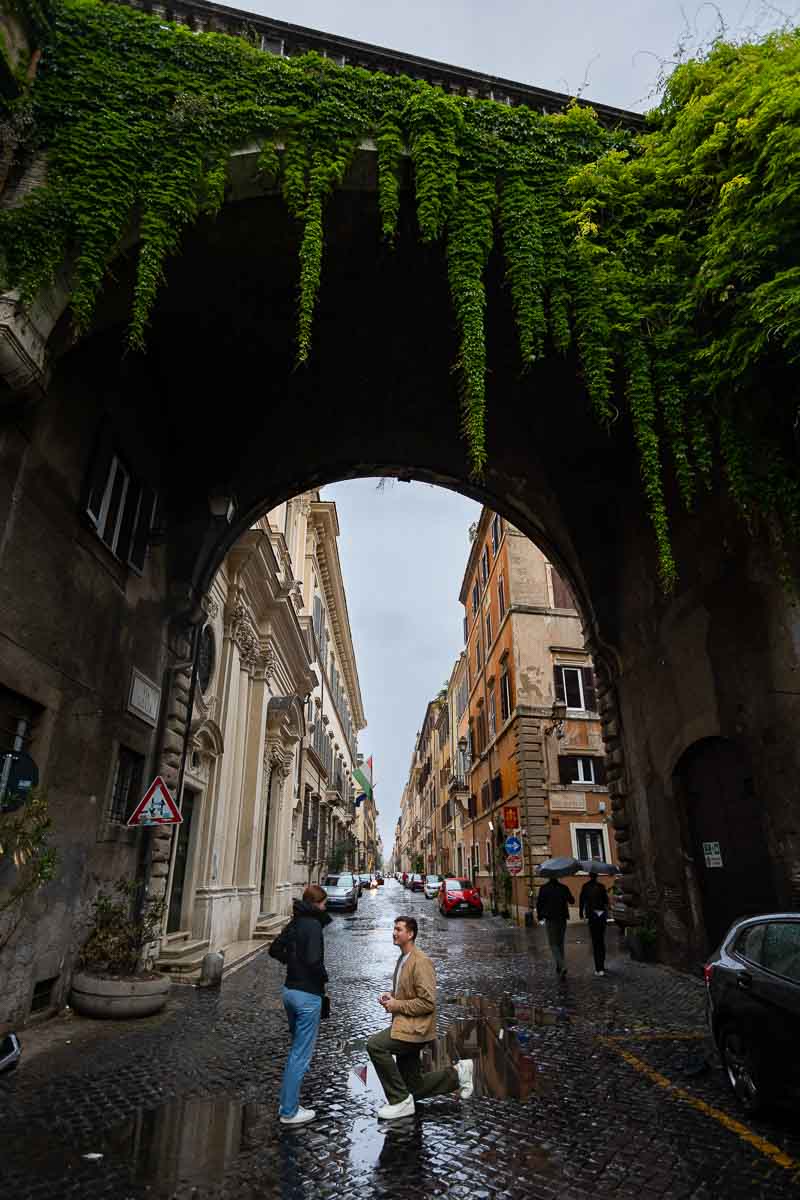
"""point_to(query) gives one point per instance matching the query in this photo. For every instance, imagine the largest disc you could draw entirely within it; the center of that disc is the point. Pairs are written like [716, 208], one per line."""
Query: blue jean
[303, 1010]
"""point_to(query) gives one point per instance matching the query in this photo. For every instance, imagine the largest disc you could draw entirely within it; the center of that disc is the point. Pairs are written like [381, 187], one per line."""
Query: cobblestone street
[593, 1087]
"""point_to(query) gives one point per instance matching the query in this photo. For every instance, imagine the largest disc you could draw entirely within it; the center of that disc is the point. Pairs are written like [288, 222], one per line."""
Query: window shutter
[566, 768]
[589, 689]
[558, 683]
[562, 596]
[98, 472]
[144, 523]
[599, 771]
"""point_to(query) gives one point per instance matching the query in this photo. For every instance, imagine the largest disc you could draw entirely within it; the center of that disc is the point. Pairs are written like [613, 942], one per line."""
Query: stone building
[546, 777]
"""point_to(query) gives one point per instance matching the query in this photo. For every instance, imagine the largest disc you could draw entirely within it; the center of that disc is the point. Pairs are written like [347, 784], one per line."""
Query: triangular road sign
[156, 807]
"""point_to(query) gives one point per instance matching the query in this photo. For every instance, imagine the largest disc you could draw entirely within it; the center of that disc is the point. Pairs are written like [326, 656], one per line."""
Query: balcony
[457, 783]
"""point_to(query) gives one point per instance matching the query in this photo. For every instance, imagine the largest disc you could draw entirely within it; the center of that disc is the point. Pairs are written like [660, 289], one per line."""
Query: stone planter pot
[120, 999]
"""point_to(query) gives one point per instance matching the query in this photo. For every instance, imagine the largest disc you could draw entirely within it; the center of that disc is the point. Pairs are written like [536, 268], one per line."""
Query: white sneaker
[301, 1117]
[466, 1086]
[390, 1112]
[600, 973]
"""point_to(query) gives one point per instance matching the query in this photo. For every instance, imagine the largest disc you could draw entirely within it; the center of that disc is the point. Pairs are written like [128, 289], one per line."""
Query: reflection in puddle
[496, 1036]
[186, 1140]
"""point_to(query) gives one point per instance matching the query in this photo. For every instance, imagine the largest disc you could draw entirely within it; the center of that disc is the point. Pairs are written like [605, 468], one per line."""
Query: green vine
[667, 262]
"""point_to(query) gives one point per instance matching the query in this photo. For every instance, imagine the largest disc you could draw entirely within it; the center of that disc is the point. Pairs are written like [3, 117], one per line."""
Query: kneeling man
[395, 1052]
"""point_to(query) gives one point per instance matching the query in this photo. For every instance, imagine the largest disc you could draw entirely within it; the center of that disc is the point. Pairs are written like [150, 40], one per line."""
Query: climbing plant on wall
[668, 259]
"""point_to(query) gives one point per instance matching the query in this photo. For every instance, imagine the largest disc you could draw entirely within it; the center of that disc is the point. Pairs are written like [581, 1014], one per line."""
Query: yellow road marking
[655, 1036]
[730, 1123]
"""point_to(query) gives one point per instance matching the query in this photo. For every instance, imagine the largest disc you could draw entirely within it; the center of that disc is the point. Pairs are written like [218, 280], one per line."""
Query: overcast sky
[610, 51]
[404, 548]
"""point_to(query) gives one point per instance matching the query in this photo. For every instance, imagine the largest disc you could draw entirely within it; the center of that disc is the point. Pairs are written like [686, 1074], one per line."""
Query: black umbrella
[602, 868]
[555, 867]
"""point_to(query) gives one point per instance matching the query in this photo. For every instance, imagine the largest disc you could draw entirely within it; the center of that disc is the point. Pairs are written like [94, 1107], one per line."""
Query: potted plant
[110, 981]
[642, 939]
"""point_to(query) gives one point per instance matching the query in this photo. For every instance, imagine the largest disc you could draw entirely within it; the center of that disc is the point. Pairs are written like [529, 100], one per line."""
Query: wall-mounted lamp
[558, 715]
[222, 504]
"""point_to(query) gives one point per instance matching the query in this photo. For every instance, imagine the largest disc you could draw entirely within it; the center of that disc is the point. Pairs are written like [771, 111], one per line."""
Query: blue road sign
[513, 845]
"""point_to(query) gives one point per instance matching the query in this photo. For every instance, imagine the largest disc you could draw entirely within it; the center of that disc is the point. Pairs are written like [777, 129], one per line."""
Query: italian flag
[363, 777]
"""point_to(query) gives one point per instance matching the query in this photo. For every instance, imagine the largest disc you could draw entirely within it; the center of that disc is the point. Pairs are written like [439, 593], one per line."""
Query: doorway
[179, 868]
[725, 832]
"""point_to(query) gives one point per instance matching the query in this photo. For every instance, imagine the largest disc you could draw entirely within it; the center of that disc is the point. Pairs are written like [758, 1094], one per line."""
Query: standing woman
[303, 995]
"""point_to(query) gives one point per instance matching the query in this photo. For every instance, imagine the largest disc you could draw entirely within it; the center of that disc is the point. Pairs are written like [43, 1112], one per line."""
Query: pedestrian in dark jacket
[594, 906]
[552, 907]
[302, 997]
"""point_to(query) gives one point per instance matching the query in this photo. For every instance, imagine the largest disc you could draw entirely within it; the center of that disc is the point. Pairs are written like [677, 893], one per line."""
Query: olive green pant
[397, 1064]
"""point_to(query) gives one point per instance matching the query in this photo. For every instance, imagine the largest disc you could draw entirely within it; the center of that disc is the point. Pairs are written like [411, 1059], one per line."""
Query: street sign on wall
[156, 807]
[514, 864]
[510, 816]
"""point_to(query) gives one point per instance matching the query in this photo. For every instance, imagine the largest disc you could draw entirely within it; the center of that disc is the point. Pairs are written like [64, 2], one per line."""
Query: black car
[753, 988]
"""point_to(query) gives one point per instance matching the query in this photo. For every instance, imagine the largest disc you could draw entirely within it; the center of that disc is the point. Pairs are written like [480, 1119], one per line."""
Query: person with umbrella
[594, 907]
[552, 907]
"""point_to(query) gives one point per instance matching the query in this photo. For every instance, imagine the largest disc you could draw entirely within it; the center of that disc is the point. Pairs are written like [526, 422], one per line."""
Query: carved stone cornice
[210, 607]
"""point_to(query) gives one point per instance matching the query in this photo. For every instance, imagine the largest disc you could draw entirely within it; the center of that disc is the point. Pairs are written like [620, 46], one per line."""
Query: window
[476, 858]
[486, 803]
[497, 788]
[206, 658]
[127, 787]
[581, 768]
[781, 952]
[590, 843]
[575, 685]
[495, 533]
[472, 807]
[485, 565]
[465, 630]
[492, 715]
[501, 596]
[505, 696]
[750, 943]
[488, 859]
[488, 629]
[478, 654]
[475, 599]
[481, 731]
[120, 508]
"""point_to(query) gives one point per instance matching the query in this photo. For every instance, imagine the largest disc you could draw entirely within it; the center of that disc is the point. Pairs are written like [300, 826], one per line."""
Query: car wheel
[742, 1069]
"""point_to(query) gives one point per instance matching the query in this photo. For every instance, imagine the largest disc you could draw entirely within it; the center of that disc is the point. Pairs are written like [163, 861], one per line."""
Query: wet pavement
[590, 1087]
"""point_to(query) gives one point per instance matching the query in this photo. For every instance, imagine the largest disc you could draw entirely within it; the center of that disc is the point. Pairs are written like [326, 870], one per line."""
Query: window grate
[42, 997]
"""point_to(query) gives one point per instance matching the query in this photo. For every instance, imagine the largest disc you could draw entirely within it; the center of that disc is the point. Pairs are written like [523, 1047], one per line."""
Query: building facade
[528, 771]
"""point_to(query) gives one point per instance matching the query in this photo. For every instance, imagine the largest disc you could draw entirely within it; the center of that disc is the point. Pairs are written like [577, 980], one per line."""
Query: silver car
[432, 885]
[342, 891]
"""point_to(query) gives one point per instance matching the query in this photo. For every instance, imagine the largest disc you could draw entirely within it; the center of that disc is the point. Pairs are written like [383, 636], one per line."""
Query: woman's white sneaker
[301, 1117]
[390, 1112]
[465, 1068]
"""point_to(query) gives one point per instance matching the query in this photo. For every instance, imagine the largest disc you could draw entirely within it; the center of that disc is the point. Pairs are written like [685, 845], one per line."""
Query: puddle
[496, 1038]
[185, 1140]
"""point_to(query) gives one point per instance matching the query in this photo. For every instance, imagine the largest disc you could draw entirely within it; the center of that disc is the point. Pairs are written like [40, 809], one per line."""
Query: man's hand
[384, 996]
[390, 1004]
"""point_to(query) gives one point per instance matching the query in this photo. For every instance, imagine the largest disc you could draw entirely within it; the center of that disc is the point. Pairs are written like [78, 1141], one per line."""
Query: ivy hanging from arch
[669, 260]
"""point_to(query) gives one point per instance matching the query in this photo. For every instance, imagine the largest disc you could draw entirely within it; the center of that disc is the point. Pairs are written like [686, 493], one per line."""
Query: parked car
[416, 883]
[363, 882]
[379, 880]
[753, 990]
[432, 883]
[459, 896]
[342, 891]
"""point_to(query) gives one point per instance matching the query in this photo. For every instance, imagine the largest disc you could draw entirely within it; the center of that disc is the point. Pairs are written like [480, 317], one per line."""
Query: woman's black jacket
[305, 971]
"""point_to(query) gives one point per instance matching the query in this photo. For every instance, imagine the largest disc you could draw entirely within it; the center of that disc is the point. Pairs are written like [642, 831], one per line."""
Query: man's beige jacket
[415, 1020]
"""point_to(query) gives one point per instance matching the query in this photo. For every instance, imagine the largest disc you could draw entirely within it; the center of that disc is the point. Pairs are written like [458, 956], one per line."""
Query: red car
[460, 896]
